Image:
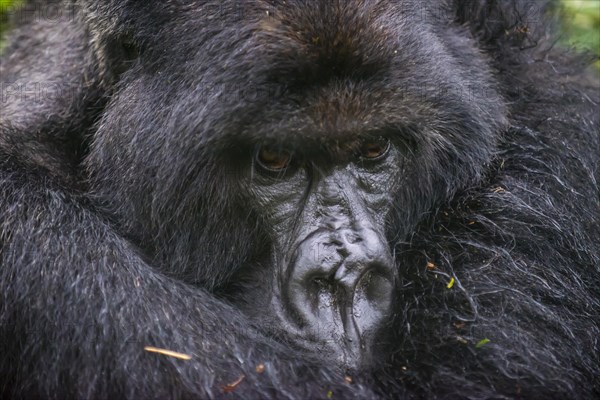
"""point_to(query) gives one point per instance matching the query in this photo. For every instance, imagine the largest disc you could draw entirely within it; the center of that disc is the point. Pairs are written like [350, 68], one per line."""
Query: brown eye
[372, 149]
[273, 159]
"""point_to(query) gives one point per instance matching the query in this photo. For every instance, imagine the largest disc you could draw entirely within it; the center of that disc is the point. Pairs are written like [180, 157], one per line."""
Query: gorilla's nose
[341, 289]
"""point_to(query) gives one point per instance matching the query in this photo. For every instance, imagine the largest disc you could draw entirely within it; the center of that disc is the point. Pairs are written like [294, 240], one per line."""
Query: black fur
[122, 223]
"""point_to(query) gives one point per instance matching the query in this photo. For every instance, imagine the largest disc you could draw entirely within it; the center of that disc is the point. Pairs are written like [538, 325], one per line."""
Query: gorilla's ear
[497, 23]
[121, 52]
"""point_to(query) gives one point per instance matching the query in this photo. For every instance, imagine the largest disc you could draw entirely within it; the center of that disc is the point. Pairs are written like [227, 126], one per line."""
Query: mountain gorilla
[297, 199]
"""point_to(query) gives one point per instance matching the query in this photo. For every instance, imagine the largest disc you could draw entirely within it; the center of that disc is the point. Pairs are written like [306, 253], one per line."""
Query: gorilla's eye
[273, 159]
[374, 149]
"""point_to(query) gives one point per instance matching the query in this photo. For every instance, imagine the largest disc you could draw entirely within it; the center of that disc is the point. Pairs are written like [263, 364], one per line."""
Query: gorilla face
[344, 148]
[333, 271]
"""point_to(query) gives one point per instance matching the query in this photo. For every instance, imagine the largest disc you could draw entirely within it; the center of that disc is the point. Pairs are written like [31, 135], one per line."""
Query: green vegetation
[582, 25]
[6, 7]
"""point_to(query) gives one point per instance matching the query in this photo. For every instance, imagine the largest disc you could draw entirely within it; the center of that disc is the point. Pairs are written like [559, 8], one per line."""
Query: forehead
[300, 73]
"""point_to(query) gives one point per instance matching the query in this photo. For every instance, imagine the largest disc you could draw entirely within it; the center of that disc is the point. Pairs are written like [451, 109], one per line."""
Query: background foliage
[582, 26]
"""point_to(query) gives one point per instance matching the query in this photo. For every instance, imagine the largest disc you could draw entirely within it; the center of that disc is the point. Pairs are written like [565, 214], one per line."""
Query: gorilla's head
[311, 147]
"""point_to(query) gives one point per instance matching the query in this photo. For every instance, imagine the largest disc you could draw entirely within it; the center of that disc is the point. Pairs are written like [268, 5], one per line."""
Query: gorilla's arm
[60, 263]
[84, 305]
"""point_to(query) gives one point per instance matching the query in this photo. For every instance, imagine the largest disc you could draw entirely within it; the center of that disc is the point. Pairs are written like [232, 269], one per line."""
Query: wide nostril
[325, 291]
[322, 282]
[339, 260]
[343, 251]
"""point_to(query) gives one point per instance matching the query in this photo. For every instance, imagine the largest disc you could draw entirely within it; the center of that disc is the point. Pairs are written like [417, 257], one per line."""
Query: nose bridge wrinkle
[340, 200]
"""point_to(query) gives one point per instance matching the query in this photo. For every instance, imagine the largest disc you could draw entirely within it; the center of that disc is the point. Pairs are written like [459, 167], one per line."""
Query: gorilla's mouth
[340, 298]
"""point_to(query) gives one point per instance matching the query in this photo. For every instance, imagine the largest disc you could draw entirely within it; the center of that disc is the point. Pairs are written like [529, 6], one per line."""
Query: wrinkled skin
[335, 273]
